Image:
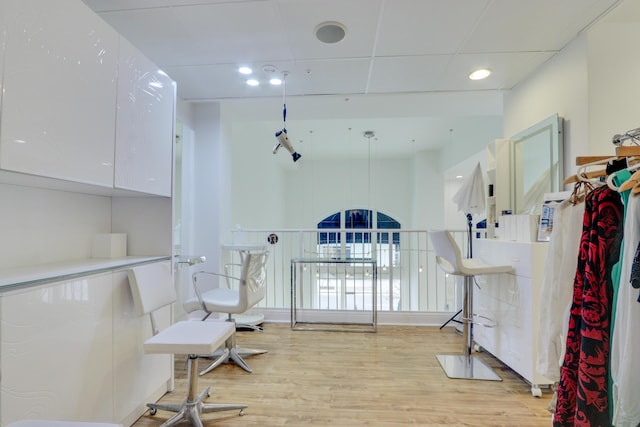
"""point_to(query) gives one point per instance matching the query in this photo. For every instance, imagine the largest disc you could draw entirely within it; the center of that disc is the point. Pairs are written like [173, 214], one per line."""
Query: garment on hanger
[583, 386]
[625, 338]
[635, 271]
[557, 287]
[615, 181]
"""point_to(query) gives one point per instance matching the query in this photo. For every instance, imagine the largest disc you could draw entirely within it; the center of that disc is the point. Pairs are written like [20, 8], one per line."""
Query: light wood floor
[388, 378]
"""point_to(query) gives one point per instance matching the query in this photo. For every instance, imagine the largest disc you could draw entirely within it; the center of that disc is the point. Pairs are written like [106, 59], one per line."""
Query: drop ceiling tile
[110, 5]
[300, 18]
[217, 82]
[205, 34]
[333, 76]
[419, 27]
[407, 73]
[523, 25]
[507, 70]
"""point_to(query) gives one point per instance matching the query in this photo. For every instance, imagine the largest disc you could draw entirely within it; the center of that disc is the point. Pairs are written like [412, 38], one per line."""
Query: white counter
[71, 344]
[11, 278]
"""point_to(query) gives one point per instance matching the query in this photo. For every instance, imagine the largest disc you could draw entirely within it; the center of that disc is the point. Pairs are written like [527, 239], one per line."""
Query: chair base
[233, 354]
[466, 367]
[191, 408]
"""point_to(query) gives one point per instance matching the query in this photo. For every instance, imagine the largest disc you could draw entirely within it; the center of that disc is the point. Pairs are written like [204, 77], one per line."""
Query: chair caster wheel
[536, 391]
[241, 412]
[153, 411]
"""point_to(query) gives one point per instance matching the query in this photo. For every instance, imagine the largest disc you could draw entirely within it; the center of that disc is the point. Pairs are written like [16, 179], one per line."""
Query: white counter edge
[20, 277]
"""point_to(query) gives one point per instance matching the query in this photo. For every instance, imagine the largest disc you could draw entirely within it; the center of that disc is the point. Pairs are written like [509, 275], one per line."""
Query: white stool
[450, 260]
[52, 423]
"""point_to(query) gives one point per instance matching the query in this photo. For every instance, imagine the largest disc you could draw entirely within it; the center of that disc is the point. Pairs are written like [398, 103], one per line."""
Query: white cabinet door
[60, 70]
[511, 302]
[56, 351]
[145, 124]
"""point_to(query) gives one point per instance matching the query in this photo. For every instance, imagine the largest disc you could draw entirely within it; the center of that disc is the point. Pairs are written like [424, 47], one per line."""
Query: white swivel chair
[449, 259]
[152, 288]
[250, 290]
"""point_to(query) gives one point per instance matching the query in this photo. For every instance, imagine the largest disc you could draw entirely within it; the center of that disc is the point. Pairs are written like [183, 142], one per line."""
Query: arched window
[357, 243]
[351, 238]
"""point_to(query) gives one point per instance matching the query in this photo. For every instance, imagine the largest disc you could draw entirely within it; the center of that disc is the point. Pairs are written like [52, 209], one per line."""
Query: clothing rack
[619, 139]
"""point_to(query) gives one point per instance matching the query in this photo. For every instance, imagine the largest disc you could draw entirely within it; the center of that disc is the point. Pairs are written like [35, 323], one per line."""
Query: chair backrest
[253, 279]
[251, 286]
[152, 286]
[448, 254]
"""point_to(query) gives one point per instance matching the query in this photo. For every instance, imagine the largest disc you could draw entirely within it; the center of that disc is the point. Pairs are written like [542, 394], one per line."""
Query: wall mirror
[537, 164]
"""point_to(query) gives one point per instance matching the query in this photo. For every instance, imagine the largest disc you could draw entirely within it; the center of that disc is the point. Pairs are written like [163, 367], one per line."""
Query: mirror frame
[553, 126]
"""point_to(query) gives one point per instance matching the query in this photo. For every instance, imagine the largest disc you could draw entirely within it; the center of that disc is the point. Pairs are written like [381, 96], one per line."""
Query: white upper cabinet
[59, 82]
[144, 124]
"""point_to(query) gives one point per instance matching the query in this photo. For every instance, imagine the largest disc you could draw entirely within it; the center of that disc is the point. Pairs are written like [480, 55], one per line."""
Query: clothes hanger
[582, 175]
[586, 176]
[580, 190]
[632, 182]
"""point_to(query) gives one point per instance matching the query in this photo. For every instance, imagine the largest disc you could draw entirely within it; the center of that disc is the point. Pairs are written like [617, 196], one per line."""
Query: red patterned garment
[582, 390]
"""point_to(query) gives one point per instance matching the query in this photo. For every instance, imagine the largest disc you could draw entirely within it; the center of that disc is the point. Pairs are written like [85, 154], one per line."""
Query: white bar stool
[450, 260]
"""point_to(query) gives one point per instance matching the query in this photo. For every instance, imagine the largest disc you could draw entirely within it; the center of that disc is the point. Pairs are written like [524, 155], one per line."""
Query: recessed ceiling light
[275, 82]
[480, 74]
[253, 82]
[330, 32]
[244, 70]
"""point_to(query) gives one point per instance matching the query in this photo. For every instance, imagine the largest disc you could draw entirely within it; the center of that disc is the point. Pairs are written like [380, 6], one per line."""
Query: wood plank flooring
[387, 378]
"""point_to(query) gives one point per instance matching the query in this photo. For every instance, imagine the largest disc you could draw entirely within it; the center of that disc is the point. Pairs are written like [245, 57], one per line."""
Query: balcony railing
[408, 279]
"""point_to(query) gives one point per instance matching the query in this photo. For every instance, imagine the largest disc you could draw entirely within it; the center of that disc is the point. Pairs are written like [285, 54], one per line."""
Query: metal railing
[408, 279]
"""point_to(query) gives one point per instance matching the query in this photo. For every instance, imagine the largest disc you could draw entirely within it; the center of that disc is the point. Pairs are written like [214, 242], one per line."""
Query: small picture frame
[549, 204]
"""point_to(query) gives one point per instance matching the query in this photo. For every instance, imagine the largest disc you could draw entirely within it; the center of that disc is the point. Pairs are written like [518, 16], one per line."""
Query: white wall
[257, 183]
[592, 84]
[453, 218]
[560, 86]
[323, 187]
[614, 88]
[207, 195]
[40, 226]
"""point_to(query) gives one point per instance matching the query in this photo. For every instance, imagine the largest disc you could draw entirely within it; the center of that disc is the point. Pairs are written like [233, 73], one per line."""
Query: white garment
[625, 340]
[556, 293]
